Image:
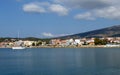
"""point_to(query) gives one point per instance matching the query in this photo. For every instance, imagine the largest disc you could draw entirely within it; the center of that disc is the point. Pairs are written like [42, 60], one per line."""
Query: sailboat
[18, 44]
[20, 47]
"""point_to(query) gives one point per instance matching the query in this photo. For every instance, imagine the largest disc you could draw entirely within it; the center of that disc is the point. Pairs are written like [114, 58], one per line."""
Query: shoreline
[94, 46]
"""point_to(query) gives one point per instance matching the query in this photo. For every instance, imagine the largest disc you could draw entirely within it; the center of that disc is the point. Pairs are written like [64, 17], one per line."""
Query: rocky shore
[84, 46]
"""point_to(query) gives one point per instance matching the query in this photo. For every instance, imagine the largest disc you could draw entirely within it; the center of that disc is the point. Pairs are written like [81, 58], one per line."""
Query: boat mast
[18, 35]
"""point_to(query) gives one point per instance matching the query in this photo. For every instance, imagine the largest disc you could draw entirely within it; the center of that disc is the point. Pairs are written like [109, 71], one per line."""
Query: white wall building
[77, 42]
[28, 43]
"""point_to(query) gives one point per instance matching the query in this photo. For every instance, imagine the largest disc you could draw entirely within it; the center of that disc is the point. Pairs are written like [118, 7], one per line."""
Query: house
[70, 42]
[78, 42]
[90, 41]
[55, 42]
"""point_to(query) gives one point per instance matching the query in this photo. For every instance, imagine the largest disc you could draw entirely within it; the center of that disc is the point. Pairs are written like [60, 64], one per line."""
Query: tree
[104, 41]
[97, 41]
[39, 43]
[33, 44]
[100, 42]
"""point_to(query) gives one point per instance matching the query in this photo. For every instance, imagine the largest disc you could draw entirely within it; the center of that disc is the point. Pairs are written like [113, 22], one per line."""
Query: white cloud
[109, 13]
[42, 7]
[59, 9]
[34, 7]
[84, 16]
[48, 34]
[88, 4]
[85, 4]
[45, 34]
[108, 9]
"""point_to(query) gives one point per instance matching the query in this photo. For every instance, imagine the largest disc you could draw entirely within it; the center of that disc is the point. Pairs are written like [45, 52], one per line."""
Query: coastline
[99, 46]
[85, 46]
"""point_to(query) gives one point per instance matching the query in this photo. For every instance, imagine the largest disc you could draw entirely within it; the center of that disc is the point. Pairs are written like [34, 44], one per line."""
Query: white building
[28, 43]
[77, 42]
[70, 42]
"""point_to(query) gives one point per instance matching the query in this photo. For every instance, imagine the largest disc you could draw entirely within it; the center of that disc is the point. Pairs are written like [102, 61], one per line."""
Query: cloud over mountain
[47, 34]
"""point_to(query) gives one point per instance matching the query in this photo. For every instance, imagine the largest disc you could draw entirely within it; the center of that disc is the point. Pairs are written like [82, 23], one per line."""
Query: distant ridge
[113, 31]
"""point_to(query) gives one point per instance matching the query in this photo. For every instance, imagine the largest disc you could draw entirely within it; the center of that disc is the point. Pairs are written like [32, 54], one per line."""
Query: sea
[60, 61]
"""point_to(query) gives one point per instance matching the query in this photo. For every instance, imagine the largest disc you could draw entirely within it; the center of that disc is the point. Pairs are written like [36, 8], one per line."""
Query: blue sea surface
[60, 61]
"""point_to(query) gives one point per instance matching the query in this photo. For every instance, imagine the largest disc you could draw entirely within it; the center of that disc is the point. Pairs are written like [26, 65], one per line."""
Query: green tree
[100, 41]
[97, 41]
[39, 43]
[104, 41]
[33, 44]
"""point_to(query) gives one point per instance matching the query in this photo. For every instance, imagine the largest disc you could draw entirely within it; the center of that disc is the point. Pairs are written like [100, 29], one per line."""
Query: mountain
[113, 31]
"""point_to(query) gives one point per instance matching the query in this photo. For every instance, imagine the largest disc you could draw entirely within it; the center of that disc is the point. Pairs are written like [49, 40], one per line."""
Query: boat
[18, 44]
[18, 47]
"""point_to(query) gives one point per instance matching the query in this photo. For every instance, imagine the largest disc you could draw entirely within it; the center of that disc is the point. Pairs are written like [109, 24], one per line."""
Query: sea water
[60, 61]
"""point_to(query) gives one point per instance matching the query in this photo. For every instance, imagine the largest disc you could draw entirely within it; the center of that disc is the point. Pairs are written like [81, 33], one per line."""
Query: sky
[53, 18]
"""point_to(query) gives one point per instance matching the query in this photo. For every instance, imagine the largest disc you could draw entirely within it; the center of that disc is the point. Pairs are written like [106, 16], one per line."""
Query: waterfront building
[28, 43]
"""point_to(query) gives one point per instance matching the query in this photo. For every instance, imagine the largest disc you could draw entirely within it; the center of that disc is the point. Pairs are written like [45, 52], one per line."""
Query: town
[52, 43]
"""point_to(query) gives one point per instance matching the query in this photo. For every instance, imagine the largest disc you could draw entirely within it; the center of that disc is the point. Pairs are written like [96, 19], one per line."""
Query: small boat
[18, 44]
[18, 47]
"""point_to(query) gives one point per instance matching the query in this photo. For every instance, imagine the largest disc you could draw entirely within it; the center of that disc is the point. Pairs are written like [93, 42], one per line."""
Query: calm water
[43, 61]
